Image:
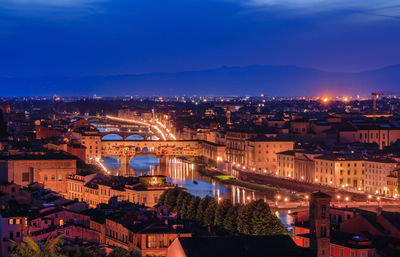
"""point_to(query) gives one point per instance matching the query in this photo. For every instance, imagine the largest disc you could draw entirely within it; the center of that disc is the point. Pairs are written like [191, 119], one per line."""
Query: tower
[319, 224]
[228, 115]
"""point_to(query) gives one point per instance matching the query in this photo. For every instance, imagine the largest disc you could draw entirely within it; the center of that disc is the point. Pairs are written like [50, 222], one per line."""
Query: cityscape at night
[212, 128]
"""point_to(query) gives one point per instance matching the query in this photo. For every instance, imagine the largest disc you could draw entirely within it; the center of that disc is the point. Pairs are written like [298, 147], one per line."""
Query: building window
[25, 177]
[332, 251]
[151, 241]
[341, 252]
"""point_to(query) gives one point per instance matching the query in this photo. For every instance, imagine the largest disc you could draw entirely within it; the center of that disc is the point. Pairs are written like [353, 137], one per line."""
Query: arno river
[186, 175]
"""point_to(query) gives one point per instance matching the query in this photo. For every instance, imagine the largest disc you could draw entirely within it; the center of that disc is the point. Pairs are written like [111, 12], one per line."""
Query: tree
[202, 208]
[120, 252]
[263, 222]
[183, 211]
[161, 200]
[81, 251]
[179, 201]
[230, 221]
[209, 213]
[32, 248]
[170, 198]
[192, 208]
[220, 212]
[243, 220]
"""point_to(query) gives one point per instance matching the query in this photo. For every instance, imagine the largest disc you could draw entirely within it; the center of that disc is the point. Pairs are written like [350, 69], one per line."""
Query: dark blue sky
[101, 37]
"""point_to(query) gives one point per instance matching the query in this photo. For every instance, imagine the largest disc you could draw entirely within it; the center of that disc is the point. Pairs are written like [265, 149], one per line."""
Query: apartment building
[340, 171]
[49, 169]
[261, 153]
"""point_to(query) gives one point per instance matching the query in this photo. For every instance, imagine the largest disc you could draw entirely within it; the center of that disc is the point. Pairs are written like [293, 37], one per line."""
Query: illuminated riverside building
[261, 153]
[51, 170]
[145, 190]
[92, 142]
[340, 171]
[377, 175]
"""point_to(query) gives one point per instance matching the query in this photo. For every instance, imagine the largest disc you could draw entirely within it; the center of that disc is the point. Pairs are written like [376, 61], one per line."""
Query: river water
[186, 175]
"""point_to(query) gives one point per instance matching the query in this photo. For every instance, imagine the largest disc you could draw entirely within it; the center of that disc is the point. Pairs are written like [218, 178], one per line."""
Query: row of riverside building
[374, 175]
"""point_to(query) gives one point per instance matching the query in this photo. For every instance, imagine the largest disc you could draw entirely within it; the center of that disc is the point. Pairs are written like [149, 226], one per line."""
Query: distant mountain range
[248, 80]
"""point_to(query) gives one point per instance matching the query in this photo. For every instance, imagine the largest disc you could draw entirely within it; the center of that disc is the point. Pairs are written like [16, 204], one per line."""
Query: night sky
[48, 38]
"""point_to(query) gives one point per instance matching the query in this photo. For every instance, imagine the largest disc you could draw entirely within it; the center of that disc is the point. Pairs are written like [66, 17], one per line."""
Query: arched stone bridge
[163, 150]
[125, 134]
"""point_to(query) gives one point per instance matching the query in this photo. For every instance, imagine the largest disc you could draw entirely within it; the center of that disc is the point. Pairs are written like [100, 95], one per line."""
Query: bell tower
[319, 224]
[228, 115]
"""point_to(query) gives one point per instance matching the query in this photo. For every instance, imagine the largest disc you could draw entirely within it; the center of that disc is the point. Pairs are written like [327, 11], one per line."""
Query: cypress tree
[221, 211]
[209, 213]
[263, 222]
[170, 198]
[183, 212]
[192, 208]
[161, 200]
[202, 208]
[244, 217]
[179, 200]
[230, 221]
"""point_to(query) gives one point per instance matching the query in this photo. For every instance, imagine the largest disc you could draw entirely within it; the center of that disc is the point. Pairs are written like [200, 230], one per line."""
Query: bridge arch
[112, 136]
[135, 136]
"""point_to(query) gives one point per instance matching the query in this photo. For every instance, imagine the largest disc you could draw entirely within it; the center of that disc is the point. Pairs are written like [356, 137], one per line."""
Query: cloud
[55, 3]
[49, 9]
[383, 8]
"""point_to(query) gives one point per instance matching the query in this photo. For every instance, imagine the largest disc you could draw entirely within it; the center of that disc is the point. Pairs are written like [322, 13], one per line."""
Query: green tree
[179, 201]
[192, 208]
[231, 218]
[244, 217]
[263, 222]
[120, 252]
[221, 212]
[162, 197]
[202, 208]
[209, 213]
[170, 198]
[183, 211]
[32, 248]
[81, 251]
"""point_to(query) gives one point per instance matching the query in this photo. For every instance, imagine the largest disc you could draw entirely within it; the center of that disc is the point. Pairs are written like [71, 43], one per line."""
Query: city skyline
[70, 39]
